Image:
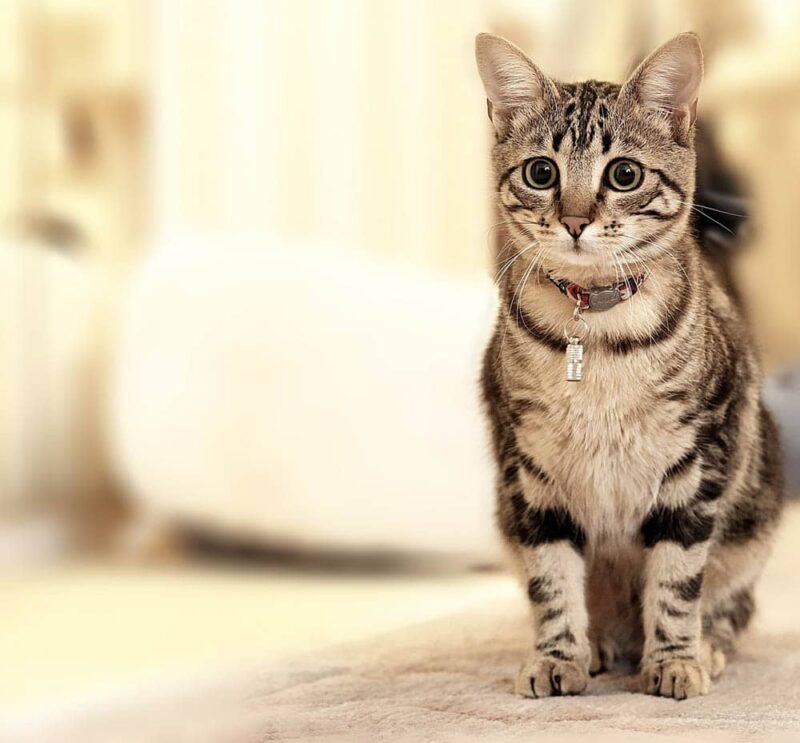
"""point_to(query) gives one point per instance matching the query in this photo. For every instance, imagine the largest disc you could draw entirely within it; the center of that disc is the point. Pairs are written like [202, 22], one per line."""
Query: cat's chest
[605, 440]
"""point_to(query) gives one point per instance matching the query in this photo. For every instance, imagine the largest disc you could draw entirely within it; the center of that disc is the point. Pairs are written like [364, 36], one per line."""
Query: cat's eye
[624, 175]
[540, 172]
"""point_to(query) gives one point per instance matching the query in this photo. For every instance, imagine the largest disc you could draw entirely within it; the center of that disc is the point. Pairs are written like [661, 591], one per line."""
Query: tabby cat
[638, 503]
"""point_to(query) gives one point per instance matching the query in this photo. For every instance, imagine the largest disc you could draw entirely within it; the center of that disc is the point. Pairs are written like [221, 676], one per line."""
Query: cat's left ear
[669, 81]
[510, 79]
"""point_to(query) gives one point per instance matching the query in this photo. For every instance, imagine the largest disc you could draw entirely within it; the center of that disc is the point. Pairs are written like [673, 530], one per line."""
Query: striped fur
[638, 504]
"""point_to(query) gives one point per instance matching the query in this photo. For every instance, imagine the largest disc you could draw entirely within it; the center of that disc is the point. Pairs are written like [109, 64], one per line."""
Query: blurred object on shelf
[73, 81]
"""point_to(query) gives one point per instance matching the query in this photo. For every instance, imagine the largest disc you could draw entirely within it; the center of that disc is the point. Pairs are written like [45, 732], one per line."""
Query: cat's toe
[541, 676]
[713, 659]
[679, 679]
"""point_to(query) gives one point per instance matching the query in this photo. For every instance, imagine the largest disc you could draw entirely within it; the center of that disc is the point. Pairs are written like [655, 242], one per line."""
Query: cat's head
[593, 174]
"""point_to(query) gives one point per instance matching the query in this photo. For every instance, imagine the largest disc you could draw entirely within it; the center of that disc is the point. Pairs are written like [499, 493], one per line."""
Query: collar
[600, 297]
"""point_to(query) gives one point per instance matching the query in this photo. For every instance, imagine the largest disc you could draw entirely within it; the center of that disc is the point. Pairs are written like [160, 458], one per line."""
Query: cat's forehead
[583, 122]
[583, 111]
[584, 119]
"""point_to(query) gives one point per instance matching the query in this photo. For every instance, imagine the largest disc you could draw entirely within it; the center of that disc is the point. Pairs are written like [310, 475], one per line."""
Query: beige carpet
[450, 680]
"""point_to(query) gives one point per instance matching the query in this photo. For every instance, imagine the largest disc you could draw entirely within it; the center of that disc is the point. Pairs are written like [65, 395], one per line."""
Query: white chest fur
[604, 441]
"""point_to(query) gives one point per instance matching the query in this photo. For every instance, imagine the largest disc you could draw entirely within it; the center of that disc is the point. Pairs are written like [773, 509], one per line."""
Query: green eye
[540, 172]
[624, 175]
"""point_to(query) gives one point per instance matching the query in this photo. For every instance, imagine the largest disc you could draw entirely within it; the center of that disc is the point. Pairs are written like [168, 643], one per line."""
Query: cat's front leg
[549, 544]
[676, 536]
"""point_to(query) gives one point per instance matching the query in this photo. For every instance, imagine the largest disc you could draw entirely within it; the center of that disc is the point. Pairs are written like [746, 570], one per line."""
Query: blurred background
[245, 278]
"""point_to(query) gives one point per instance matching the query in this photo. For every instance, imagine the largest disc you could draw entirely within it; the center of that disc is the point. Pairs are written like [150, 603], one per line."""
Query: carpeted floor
[450, 680]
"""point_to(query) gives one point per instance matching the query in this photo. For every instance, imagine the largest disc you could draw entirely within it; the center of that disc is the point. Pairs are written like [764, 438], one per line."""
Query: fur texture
[637, 504]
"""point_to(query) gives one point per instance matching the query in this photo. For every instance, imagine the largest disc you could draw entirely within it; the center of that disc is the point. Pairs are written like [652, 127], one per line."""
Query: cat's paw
[542, 676]
[679, 679]
[712, 658]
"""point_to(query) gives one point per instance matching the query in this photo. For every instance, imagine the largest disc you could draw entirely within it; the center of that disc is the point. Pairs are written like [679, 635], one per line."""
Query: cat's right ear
[510, 79]
[668, 82]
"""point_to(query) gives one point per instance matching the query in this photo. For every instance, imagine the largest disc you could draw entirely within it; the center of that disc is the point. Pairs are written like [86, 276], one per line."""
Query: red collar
[600, 297]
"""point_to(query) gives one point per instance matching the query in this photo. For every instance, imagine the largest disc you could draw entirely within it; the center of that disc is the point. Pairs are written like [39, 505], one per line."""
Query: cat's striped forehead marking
[585, 115]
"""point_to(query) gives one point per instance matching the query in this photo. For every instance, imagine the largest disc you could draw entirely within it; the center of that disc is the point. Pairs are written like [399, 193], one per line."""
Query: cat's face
[593, 174]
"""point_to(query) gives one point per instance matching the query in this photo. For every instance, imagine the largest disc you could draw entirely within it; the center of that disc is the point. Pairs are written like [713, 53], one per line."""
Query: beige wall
[353, 123]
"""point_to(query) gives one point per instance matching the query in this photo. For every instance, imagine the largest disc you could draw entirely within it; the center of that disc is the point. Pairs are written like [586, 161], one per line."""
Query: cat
[638, 503]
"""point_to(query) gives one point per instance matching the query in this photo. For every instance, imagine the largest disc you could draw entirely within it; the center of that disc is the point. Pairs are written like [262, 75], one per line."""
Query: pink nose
[575, 225]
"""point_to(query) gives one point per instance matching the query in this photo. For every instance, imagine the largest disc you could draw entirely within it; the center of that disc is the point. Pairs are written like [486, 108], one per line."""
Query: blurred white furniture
[305, 397]
[52, 307]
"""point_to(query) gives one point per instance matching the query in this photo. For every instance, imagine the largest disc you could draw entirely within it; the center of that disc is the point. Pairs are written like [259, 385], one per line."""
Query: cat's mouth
[582, 251]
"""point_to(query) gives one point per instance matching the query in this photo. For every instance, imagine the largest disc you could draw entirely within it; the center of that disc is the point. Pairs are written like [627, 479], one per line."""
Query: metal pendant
[604, 298]
[574, 360]
[575, 330]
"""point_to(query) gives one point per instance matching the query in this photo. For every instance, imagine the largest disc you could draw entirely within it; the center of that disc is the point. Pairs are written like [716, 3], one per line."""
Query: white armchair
[305, 397]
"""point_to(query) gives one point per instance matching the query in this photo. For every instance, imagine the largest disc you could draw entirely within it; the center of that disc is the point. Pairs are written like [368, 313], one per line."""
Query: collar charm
[597, 298]
[575, 330]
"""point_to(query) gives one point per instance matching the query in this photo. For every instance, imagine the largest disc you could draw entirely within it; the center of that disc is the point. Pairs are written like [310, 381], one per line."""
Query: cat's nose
[575, 225]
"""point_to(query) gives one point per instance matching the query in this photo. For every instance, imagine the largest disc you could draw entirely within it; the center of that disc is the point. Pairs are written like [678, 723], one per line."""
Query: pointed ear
[669, 81]
[510, 79]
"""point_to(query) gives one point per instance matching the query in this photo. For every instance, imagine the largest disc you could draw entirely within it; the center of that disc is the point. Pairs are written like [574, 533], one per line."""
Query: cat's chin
[589, 271]
[585, 260]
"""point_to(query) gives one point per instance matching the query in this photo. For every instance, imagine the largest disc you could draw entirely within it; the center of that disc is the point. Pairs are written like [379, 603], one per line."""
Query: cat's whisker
[515, 302]
[706, 207]
[504, 248]
[513, 260]
[700, 210]
[640, 264]
[663, 249]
